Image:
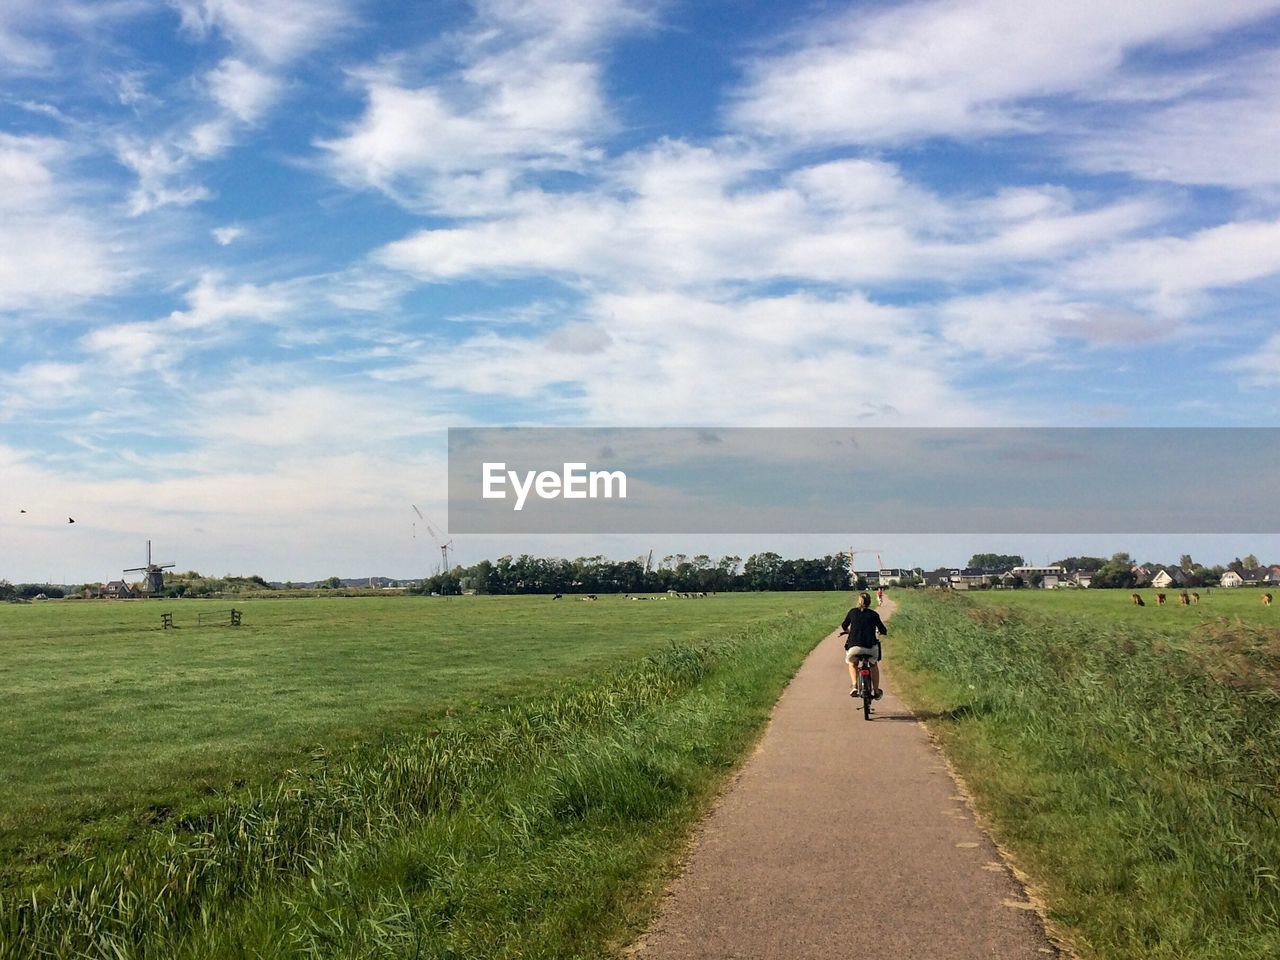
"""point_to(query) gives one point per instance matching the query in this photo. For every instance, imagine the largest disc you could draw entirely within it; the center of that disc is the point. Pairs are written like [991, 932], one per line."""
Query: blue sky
[255, 258]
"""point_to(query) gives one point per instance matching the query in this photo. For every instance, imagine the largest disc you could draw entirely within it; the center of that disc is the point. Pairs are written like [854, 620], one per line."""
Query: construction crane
[444, 547]
[851, 553]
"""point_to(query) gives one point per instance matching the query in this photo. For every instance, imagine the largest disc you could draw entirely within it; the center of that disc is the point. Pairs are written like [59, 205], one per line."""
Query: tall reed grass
[536, 827]
[1137, 778]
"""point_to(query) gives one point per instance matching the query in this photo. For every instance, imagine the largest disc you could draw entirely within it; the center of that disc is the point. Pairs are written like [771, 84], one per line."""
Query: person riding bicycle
[861, 624]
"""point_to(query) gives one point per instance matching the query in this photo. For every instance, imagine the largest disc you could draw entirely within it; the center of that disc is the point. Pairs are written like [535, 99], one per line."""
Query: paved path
[839, 831]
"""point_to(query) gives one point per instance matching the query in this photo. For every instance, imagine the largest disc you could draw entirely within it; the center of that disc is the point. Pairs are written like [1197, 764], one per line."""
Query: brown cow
[1266, 599]
[1195, 597]
[1184, 598]
[1159, 599]
[1136, 600]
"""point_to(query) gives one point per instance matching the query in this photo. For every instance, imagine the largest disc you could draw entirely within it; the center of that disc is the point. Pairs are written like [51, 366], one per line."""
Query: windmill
[154, 572]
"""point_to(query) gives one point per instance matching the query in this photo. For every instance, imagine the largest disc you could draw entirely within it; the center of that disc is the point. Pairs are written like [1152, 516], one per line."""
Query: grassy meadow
[1128, 756]
[484, 776]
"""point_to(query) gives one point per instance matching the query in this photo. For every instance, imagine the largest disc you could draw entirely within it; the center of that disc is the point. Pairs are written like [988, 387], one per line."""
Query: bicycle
[866, 690]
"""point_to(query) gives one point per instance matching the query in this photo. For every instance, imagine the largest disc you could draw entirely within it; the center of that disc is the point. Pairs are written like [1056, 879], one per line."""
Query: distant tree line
[27, 591]
[1119, 571]
[679, 572]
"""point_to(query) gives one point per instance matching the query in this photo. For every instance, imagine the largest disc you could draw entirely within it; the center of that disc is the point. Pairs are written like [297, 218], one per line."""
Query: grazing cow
[1266, 599]
[1195, 597]
[558, 596]
[1159, 599]
[1184, 598]
[1136, 600]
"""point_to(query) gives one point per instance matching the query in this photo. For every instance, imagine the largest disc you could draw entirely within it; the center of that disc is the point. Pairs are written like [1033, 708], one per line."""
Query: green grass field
[1130, 757]
[334, 741]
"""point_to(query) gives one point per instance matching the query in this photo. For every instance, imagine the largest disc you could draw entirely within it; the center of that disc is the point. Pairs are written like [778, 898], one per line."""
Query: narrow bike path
[840, 838]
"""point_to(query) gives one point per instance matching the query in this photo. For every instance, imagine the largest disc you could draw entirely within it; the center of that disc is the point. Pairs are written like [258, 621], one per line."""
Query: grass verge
[540, 827]
[1137, 779]
[108, 721]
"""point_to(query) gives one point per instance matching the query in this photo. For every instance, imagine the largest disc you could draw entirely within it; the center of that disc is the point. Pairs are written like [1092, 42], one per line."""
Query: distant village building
[870, 577]
[971, 577]
[1026, 573]
[1261, 577]
[1169, 577]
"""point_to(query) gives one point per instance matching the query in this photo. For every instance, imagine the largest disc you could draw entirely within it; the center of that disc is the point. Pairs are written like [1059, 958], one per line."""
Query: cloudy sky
[255, 258]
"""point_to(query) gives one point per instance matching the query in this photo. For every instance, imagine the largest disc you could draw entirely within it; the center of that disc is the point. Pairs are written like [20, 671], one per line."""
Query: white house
[892, 576]
[1168, 578]
[1050, 577]
[1232, 579]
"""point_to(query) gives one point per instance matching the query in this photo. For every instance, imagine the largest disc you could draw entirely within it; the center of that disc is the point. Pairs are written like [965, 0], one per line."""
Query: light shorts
[853, 652]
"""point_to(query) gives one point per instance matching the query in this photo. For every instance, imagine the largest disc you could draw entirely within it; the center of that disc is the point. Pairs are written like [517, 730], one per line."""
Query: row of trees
[27, 591]
[1119, 570]
[679, 572]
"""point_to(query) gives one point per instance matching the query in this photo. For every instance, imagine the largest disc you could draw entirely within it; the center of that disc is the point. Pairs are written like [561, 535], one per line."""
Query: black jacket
[863, 625]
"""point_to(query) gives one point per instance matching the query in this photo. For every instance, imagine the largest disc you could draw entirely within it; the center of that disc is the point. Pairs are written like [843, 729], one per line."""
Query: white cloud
[417, 133]
[166, 165]
[1261, 367]
[526, 95]
[958, 67]
[131, 88]
[1030, 327]
[26, 175]
[49, 250]
[241, 90]
[155, 344]
[129, 346]
[239, 93]
[1169, 273]
[225, 236]
[263, 409]
[161, 169]
[684, 216]
[569, 23]
[41, 386]
[20, 52]
[1228, 134]
[25, 48]
[667, 358]
[277, 32]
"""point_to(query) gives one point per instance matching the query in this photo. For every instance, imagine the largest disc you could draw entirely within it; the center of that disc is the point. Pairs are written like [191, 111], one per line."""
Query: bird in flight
[69, 520]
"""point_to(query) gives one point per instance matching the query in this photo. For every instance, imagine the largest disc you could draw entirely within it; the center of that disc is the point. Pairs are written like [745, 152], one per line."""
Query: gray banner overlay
[874, 480]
